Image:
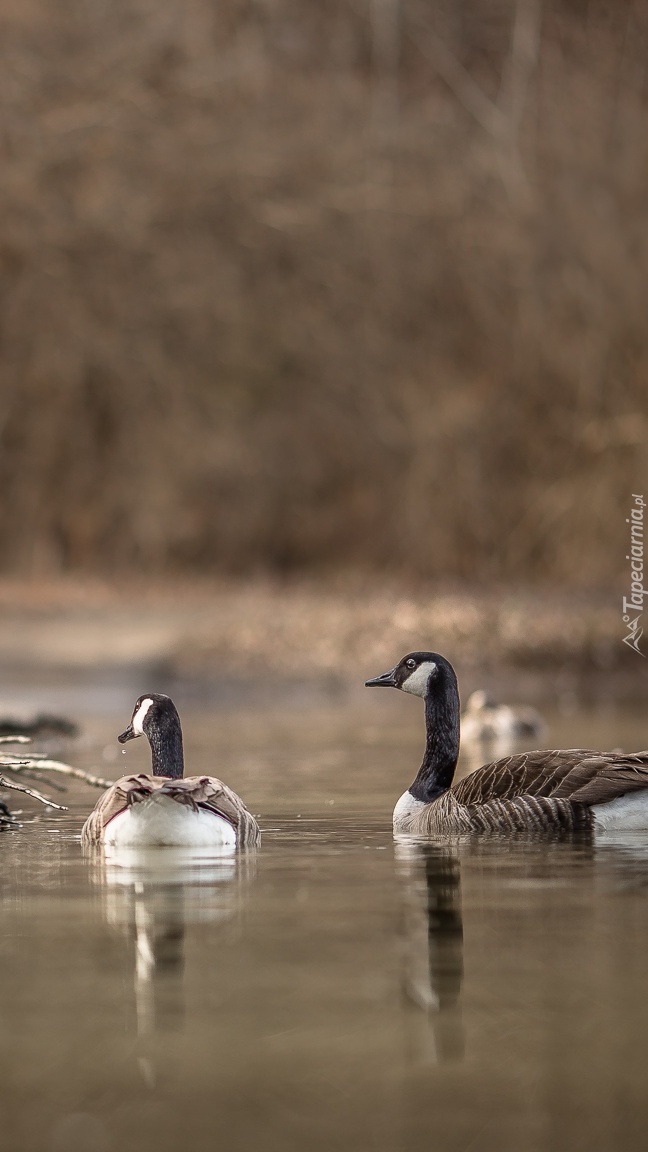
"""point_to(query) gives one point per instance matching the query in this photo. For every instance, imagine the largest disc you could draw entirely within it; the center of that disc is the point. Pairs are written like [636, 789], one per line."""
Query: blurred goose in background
[571, 790]
[165, 808]
[484, 721]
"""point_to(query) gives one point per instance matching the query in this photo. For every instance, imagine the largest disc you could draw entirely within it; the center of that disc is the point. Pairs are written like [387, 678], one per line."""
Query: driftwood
[5, 783]
[35, 766]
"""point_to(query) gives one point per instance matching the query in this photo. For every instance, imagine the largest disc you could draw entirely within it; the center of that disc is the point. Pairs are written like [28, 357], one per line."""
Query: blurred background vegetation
[286, 286]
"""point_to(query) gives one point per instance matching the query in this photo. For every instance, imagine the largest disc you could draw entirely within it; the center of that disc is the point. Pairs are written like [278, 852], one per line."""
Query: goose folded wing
[575, 774]
[127, 790]
[600, 779]
[526, 774]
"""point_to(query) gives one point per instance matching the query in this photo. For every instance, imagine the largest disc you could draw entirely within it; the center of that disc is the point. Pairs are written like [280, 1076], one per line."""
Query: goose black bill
[387, 680]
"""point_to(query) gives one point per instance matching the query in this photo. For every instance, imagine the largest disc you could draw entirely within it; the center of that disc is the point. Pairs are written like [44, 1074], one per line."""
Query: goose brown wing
[211, 795]
[527, 774]
[114, 800]
[575, 774]
[601, 778]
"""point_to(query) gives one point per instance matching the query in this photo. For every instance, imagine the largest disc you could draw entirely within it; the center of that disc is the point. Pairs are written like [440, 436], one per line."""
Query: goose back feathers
[197, 795]
[570, 789]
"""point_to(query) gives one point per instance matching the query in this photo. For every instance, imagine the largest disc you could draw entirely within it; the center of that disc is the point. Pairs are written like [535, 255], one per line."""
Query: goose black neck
[442, 737]
[165, 738]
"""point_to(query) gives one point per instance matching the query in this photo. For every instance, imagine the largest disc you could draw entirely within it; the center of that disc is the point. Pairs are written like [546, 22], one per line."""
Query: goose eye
[410, 663]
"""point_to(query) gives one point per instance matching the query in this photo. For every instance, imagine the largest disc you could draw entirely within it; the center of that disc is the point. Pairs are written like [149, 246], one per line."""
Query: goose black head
[156, 717]
[419, 673]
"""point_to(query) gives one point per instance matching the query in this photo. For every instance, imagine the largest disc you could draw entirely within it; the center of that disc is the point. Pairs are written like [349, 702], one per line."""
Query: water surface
[334, 989]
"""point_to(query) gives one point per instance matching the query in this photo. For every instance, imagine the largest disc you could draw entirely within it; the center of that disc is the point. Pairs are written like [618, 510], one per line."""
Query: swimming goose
[164, 808]
[570, 789]
[485, 721]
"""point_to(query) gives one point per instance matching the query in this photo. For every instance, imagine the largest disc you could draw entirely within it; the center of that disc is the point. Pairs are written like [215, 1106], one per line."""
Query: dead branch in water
[40, 763]
[5, 783]
[64, 770]
[31, 774]
[34, 766]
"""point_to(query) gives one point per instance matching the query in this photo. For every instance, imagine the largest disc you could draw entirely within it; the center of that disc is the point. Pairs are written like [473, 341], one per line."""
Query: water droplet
[123, 751]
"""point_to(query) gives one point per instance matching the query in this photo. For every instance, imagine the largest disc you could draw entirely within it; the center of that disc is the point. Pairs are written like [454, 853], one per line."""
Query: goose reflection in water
[433, 947]
[153, 896]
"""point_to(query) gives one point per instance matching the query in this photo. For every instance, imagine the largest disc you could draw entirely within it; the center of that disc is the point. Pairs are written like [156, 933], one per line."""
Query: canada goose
[570, 789]
[487, 722]
[140, 811]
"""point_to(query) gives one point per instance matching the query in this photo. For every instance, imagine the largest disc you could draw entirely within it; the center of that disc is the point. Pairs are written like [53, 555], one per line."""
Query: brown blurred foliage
[360, 282]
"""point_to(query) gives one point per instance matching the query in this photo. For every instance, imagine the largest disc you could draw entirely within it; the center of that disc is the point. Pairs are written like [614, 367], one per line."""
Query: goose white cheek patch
[417, 683]
[137, 722]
